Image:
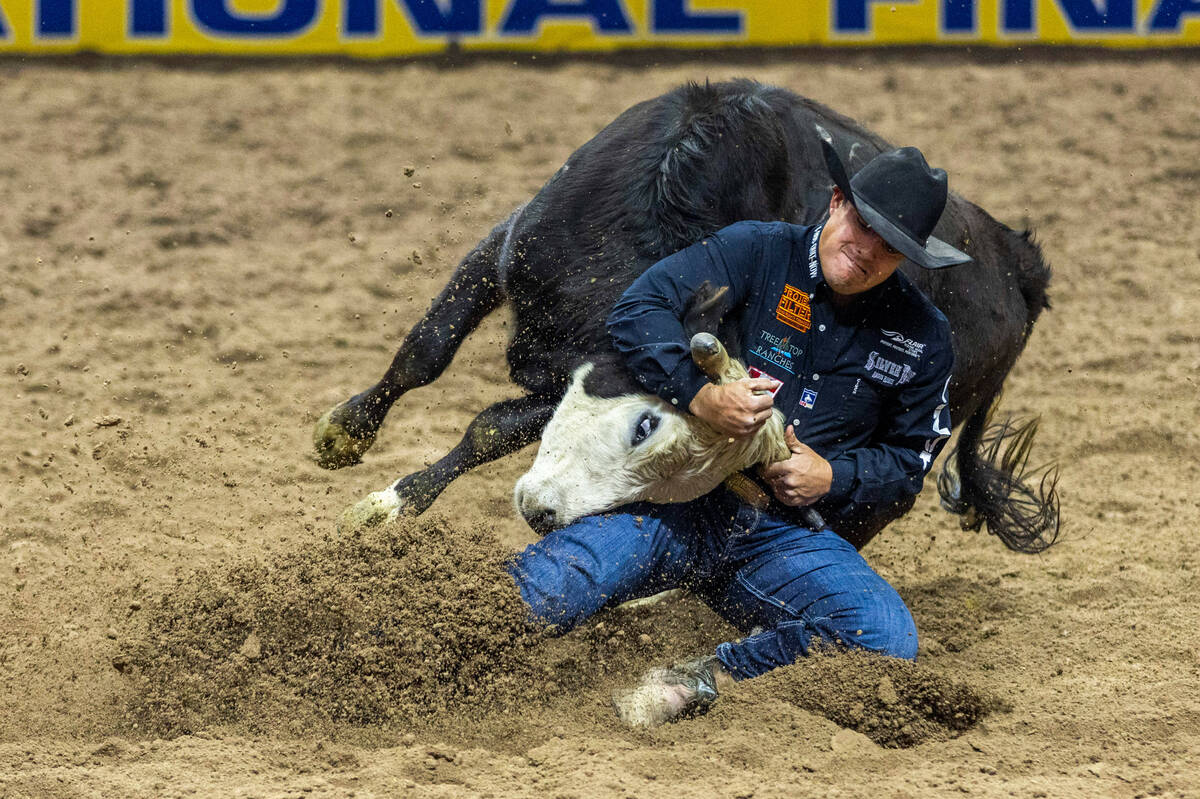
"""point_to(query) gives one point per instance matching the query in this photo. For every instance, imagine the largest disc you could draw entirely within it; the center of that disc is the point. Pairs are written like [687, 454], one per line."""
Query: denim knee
[882, 623]
[574, 571]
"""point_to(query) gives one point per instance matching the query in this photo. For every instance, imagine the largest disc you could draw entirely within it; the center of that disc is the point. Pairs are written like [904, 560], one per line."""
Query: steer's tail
[987, 480]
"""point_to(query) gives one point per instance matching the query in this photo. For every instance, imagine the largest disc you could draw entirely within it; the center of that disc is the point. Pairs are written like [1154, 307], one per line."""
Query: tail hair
[987, 479]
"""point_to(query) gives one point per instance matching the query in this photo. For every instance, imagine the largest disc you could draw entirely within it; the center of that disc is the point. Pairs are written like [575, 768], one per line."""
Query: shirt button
[812, 296]
[816, 377]
[821, 328]
[796, 422]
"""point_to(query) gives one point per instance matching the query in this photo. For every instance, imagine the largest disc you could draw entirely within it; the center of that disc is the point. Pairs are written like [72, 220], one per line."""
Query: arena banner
[381, 28]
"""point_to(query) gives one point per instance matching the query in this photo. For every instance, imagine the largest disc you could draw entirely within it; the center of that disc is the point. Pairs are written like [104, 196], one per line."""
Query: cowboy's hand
[803, 478]
[735, 409]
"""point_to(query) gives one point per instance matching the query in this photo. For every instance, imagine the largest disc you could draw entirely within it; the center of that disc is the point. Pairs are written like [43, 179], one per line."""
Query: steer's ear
[704, 310]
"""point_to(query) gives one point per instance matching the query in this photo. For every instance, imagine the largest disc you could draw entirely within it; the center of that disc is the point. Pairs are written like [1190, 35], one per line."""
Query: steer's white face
[600, 453]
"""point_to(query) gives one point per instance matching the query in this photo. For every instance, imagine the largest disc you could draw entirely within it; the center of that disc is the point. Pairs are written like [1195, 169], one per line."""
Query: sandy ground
[198, 262]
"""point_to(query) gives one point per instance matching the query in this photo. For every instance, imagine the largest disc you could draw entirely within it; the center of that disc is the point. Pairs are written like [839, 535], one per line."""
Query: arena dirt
[198, 261]
[415, 623]
[395, 624]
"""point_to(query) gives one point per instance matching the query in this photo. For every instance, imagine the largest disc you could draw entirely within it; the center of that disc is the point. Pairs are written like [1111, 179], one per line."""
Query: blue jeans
[800, 586]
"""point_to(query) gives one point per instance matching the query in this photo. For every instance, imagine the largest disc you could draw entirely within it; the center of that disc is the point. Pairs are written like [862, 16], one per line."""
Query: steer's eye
[647, 423]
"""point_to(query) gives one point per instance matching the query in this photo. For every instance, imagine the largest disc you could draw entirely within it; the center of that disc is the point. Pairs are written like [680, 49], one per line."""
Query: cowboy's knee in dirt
[883, 625]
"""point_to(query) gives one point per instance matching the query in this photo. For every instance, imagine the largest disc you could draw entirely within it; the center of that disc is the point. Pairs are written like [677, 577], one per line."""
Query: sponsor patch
[781, 344]
[793, 309]
[814, 264]
[776, 350]
[888, 372]
[808, 398]
[756, 372]
[902, 343]
[774, 357]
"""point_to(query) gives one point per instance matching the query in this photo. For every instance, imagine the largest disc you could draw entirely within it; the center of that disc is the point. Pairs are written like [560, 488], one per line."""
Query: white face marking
[589, 461]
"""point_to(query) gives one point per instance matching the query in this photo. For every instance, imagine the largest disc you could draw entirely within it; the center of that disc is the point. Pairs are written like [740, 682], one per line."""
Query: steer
[609, 443]
[666, 173]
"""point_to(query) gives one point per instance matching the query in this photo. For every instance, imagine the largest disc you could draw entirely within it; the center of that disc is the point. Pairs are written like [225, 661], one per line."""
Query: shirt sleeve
[913, 429]
[646, 324]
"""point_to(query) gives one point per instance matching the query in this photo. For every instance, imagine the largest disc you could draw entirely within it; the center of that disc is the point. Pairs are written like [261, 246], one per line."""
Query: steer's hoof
[334, 446]
[375, 508]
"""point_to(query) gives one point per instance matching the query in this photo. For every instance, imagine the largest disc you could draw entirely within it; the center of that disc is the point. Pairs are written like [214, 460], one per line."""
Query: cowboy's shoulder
[773, 230]
[769, 236]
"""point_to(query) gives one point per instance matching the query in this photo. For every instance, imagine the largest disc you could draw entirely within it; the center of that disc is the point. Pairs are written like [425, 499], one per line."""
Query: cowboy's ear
[836, 200]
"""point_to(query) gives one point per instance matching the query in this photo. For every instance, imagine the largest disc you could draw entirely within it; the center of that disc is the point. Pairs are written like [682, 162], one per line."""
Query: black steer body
[662, 175]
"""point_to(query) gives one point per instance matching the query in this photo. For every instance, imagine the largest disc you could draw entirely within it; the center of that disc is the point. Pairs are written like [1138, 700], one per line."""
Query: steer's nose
[535, 506]
[542, 520]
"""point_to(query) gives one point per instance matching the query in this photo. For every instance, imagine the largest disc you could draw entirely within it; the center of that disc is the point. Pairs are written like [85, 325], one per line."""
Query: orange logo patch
[793, 309]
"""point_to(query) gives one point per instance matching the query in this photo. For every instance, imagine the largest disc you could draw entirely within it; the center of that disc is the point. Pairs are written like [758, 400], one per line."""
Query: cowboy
[858, 361]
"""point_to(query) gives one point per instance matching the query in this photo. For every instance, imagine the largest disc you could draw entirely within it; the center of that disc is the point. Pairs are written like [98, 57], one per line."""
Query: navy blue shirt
[865, 386]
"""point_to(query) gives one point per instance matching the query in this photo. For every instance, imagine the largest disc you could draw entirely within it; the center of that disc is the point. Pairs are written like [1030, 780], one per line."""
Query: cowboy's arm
[646, 323]
[913, 431]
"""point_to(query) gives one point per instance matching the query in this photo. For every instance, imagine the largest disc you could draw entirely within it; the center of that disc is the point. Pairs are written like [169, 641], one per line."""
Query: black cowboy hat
[902, 199]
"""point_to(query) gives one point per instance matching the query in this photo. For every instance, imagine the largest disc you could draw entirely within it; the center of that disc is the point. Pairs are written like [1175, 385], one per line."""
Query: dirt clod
[895, 703]
[251, 647]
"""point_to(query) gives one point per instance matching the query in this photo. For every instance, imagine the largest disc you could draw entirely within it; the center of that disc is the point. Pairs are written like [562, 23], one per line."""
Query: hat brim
[934, 254]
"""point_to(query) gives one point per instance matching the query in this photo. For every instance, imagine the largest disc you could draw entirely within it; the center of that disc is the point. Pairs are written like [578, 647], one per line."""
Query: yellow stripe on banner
[379, 28]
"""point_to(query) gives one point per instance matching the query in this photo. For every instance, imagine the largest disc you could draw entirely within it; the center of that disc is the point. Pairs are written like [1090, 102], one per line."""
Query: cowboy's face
[853, 256]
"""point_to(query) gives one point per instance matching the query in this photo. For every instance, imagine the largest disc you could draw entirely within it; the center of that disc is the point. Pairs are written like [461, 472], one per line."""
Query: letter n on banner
[361, 17]
[1165, 18]
[1082, 15]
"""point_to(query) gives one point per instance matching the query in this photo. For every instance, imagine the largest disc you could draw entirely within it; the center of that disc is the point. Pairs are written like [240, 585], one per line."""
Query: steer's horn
[710, 355]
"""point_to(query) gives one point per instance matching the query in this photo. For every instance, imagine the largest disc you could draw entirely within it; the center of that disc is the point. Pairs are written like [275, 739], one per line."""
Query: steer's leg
[501, 429]
[347, 430]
